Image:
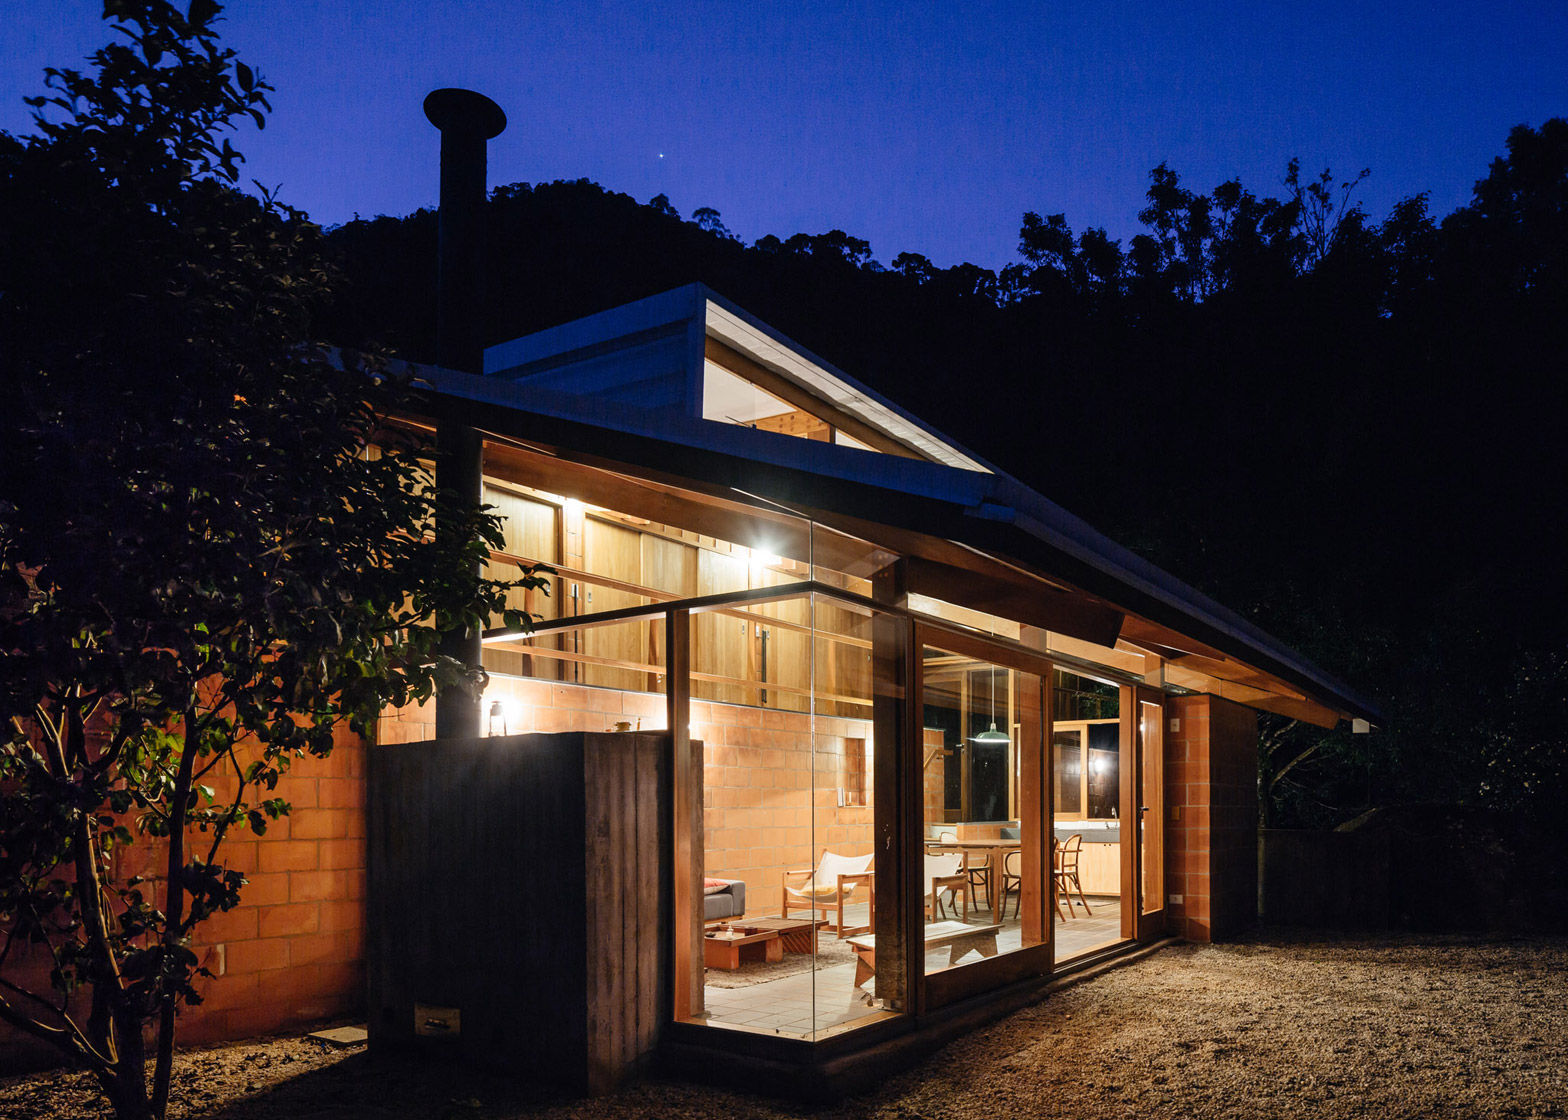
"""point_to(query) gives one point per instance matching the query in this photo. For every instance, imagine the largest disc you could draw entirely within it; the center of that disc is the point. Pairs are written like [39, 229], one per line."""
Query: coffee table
[726, 949]
[799, 935]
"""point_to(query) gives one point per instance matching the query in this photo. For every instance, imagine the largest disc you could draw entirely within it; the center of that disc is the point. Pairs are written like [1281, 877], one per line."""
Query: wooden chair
[945, 872]
[830, 886]
[1012, 879]
[1066, 871]
[979, 873]
[1056, 862]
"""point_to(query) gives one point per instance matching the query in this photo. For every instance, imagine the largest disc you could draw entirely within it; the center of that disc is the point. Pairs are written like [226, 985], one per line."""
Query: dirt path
[1281, 1025]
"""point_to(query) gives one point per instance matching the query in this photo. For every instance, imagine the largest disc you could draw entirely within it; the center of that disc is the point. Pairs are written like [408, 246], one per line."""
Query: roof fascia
[675, 308]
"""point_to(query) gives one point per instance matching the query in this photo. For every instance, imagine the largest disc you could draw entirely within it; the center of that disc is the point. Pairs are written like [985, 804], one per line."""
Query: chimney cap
[465, 112]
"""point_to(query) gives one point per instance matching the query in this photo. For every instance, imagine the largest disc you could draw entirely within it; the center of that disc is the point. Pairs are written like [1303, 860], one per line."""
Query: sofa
[724, 902]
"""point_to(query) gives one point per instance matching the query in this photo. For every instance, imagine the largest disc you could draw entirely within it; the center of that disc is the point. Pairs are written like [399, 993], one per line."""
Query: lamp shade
[990, 737]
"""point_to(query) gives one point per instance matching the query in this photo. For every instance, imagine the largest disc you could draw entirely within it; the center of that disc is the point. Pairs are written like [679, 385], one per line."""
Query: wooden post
[688, 863]
[1034, 811]
[1129, 793]
[899, 803]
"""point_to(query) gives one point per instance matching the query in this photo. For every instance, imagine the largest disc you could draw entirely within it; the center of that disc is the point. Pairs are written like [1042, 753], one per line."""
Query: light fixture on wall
[993, 737]
[497, 716]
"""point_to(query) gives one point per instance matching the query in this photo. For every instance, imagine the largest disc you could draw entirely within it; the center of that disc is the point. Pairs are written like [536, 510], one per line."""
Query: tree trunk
[174, 913]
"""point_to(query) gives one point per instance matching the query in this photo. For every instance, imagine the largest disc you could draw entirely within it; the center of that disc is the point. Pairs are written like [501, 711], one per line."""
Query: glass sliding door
[1087, 819]
[982, 862]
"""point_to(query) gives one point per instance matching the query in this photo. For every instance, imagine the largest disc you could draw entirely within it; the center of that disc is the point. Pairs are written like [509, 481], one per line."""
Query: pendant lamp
[993, 737]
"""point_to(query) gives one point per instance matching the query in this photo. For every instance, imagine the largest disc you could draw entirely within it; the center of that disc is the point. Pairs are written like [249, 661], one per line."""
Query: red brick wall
[1211, 794]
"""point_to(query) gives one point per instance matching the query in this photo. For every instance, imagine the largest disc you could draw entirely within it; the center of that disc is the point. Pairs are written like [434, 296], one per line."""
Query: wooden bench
[960, 939]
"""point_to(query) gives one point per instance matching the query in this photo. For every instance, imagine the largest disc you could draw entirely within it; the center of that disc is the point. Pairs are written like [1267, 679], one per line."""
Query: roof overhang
[987, 526]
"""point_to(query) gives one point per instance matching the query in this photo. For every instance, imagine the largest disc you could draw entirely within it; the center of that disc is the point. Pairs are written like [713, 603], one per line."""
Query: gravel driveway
[1283, 1024]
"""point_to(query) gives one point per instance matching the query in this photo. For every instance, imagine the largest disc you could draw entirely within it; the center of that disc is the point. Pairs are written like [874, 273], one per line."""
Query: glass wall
[981, 751]
[788, 812]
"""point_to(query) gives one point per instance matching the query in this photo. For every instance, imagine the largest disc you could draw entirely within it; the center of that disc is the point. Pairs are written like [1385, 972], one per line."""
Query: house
[928, 740]
[888, 660]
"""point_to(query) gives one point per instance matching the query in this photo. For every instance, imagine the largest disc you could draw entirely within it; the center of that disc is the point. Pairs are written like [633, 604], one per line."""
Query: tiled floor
[809, 1003]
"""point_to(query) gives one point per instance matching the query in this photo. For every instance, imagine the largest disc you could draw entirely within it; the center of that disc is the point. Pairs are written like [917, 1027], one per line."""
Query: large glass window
[788, 813]
[981, 754]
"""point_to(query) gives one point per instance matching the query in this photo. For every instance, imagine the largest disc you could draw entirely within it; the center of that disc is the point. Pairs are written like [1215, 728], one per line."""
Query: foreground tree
[215, 555]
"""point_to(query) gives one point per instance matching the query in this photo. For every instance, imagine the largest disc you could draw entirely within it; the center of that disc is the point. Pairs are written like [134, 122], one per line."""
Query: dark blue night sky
[927, 127]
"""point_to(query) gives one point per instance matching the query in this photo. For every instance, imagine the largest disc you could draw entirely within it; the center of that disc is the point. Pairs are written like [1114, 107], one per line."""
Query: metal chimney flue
[467, 121]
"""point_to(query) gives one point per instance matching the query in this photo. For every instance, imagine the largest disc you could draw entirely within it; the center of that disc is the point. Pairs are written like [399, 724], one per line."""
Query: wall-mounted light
[502, 712]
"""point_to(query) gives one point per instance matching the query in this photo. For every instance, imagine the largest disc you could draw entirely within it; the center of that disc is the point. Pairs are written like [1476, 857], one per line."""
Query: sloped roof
[965, 500]
[650, 353]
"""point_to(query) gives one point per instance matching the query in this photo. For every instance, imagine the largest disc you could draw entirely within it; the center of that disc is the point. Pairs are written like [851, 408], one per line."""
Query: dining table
[996, 848]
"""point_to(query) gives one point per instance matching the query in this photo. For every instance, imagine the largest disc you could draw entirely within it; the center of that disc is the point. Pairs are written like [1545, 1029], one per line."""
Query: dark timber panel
[518, 879]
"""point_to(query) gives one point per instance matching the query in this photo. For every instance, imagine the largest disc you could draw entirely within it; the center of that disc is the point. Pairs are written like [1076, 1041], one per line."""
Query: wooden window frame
[1083, 775]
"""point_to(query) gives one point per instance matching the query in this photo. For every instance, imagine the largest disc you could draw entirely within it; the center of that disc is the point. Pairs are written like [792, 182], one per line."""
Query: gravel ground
[1283, 1024]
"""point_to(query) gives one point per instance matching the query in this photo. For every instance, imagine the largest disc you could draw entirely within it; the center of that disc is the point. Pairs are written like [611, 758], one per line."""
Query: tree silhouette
[212, 550]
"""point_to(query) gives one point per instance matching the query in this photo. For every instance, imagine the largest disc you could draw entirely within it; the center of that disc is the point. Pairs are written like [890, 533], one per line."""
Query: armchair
[830, 886]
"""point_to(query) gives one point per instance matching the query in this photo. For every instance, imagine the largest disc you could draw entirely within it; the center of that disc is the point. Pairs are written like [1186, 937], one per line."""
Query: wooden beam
[766, 530]
[659, 670]
[1163, 640]
[1308, 711]
[786, 390]
[1122, 660]
[1039, 605]
[670, 597]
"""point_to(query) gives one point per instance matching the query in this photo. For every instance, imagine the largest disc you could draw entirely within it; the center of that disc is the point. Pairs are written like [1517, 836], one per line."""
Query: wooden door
[1149, 839]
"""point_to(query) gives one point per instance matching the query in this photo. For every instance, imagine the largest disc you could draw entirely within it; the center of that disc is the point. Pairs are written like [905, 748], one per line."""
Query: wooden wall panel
[556, 843]
[614, 551]
[721, 643]
[531, 528]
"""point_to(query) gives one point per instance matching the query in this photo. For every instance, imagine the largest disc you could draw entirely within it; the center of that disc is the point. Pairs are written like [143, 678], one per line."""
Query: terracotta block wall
[1211, 795]
[769, 803]
[293, 952]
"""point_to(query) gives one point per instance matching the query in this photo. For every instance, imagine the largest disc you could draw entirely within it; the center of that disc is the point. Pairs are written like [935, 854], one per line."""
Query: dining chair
[1056, 864]
[979, 873]
[1012, 879]
[1067, 873]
